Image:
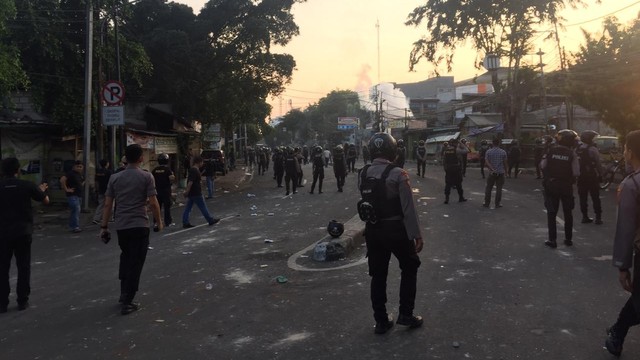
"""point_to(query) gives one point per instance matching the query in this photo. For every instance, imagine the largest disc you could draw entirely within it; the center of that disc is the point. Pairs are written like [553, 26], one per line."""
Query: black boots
[614, 341]
[411, 321]
[383, 326]
[446, 199]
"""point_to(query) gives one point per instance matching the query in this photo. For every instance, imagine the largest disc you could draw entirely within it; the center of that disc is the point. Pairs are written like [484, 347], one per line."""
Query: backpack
[373, 192]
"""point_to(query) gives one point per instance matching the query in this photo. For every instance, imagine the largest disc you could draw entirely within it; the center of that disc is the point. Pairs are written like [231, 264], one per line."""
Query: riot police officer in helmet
[590, 175]
[560, 167]
[164, 177]
[392, 227]
[317, 163]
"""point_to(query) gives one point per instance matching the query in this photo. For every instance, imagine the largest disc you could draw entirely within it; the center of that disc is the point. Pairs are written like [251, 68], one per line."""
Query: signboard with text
[112, 115]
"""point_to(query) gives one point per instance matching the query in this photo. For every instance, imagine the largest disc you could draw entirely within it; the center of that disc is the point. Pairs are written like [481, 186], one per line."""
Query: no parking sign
[113, 93]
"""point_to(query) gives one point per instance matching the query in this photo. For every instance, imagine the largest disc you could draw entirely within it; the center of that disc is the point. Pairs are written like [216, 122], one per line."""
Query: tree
[605, 74]
[500, 27]
[11, 74]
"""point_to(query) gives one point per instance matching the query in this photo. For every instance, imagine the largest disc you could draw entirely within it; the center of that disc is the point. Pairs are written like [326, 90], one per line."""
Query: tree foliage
[11, 74]
[501, 27]
[605, 74]
[318, 122]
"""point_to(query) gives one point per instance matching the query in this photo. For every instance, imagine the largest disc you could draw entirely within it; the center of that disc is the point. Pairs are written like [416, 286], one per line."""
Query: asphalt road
[488, 288]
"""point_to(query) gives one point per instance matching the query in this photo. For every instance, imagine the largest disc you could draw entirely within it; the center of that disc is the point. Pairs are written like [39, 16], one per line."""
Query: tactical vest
[587, 165]
[422, 150]
[559, 160]
[450, 158]
[375, 205]
[161, 175]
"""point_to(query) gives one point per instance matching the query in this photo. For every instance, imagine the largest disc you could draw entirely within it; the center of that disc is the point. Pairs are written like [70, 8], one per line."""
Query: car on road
[218, 160]
[607, 144]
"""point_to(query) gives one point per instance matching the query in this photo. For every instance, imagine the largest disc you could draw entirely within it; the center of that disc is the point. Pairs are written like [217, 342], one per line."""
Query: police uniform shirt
[130, 189]
[16, 217]
[162, 175]
[594, 157]
[398, 185]
[627, 221]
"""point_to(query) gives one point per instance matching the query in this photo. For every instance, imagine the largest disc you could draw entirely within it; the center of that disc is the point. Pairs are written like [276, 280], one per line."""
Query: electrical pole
[88, 70]
[378, 31]
[544, 88]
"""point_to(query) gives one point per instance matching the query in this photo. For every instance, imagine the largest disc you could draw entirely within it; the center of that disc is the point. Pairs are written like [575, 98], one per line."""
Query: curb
[352, 238]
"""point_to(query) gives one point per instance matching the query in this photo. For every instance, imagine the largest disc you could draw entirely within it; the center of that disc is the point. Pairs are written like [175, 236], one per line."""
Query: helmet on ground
[335, 229]
[383, 145]
[163, 159]
[421, 142]
[588, 136]
[567, 138]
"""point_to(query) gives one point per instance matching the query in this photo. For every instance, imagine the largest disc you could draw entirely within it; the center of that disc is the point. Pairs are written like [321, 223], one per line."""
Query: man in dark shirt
[101, 180]
[193, 193]
[163, 177]
[16, 222]
[73, 185]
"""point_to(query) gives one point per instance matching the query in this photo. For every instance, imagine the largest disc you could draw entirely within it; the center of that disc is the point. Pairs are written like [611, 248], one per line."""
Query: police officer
[305, 154]
[514, 159]
[626, 251]
[395, 231]
[365, 154]
[352, 155]
[164, 177]
[317, 161]
[262, 159]
[590, 175]
[339, 166]
[453, 171]
[421, 157]
[290, 170]
[560, 167]
[401, 155]
[278, 166]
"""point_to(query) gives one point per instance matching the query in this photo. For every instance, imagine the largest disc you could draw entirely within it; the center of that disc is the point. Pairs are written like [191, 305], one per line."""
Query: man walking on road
[193, 193]
[626, 247]
[16, 222]
[73, 185]
[496, 161]
[131, 189]
[391, 228]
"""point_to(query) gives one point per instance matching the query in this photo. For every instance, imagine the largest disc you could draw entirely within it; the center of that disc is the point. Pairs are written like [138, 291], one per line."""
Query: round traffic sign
[113, 92]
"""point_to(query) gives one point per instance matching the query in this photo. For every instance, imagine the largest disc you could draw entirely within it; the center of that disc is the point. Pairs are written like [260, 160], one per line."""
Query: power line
[604, 16]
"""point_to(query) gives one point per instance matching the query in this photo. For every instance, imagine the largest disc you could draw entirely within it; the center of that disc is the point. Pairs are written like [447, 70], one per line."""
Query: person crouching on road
[626, 246]
[131, 189]
[193, 193]
[16, 222]
[394, 229]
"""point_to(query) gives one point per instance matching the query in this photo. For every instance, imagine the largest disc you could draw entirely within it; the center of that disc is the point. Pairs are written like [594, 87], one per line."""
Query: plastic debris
[445, 215]
[281, 279]
[159, 320]
[270, 214]
[264, 265]
[150, 247]
[251, 195]
[187, 253]
[456, 344]
[269, 241]
[253, 207]
[209, 286]
[254, 214]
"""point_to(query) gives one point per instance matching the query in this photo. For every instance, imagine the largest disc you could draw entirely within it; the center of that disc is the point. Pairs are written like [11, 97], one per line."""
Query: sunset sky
[337, 48]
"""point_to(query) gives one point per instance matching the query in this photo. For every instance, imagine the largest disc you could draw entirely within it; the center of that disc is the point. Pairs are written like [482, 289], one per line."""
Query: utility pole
[378, 31]
[113, 128]
[544, 88]
[88, 68]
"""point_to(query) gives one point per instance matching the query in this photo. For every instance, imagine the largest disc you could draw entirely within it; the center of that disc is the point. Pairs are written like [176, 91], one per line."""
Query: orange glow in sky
[337, 48]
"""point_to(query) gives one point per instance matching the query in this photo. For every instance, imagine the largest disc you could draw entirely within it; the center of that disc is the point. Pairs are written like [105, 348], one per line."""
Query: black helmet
[338, 149]
[421, 142]
[484, 142]
[163, 159]
[568, 138]
[383, 145]
[400, 143]
[318, 149]
[588, 136]
[335, 228]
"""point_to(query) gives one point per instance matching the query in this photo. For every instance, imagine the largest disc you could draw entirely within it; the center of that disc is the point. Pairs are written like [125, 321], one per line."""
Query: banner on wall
[145, 141]
[27, 147]
[166, 144]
